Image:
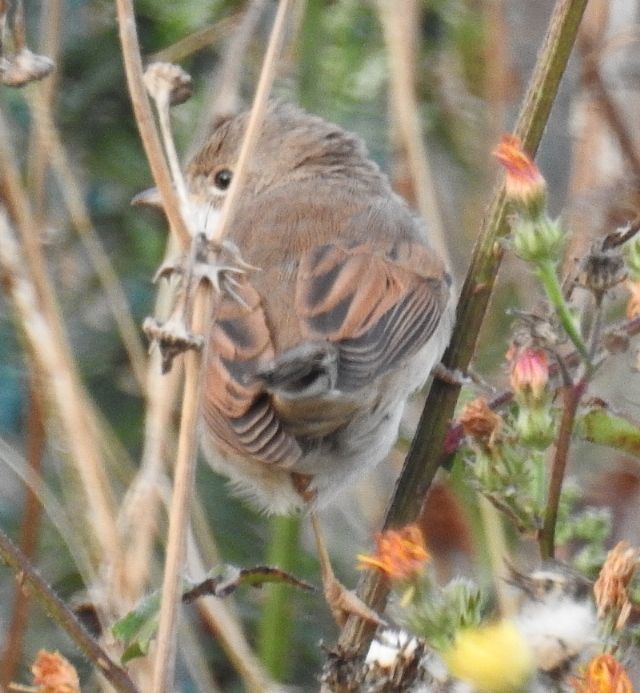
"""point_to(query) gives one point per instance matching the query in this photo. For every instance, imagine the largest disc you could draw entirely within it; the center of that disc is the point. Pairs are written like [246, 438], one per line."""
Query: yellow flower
[52, 673]
[493, 658]
[400, 554]
[604, 674]
[524, 182]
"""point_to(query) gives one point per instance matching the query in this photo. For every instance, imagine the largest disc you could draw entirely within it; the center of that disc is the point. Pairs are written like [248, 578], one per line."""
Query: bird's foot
[344, 603]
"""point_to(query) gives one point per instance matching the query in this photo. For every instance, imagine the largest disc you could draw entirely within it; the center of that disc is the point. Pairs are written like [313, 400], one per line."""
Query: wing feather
[379, 307]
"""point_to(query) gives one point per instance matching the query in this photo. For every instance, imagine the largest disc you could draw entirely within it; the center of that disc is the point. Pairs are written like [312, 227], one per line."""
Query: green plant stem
[425, 454]
[571, 397]
[546, 271]
[60, 612]
[275, 632]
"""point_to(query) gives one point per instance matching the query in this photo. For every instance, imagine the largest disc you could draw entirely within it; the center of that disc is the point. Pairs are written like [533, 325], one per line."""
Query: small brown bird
[308, 374]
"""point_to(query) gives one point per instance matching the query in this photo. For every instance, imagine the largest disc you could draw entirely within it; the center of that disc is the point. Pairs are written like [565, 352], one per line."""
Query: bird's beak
[148, 198]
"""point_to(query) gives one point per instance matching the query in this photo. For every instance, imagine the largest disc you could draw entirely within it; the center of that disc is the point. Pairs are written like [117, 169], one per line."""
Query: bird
[312, 356]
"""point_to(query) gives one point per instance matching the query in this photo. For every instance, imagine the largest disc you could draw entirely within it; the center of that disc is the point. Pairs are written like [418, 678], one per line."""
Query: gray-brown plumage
[350, 309]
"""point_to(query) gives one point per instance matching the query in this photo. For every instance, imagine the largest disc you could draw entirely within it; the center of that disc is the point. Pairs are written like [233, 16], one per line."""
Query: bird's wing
[377, 306]
[235, 406]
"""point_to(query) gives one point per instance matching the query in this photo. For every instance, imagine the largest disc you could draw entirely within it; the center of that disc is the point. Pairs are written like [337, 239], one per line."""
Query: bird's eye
[222, 178]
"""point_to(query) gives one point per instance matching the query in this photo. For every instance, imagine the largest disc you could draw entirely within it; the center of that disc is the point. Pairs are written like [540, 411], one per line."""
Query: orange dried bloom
[633, 306]
[611, 589]
[604, 674]
[400, 554]
[52, 673]
[529, 372]
[524, 182]
[479, 421]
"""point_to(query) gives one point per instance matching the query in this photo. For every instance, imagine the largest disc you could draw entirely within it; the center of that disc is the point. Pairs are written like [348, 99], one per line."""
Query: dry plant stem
[144, 118]
[197, 41]
[571, 395]
[224, 88]
[425, 454]
[70, 188]
[37, 157]
[29, 578]
[40, 318]
[139, 509]
[258, 109]
[28, 538]
[19, 30]
[225, 626]
[164, 660]
[399, 20]
[593, 79]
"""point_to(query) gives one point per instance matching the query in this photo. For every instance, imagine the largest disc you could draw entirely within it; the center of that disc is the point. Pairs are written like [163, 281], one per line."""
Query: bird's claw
[172, 339]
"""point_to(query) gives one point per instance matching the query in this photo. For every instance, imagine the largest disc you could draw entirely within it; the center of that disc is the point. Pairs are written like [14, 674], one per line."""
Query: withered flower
[480, 422]
[611, 589]
[400, 554]
[52, 673]
[604, 674]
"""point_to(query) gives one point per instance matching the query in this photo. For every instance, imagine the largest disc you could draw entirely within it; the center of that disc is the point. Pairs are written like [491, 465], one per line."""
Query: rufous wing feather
[379, 307]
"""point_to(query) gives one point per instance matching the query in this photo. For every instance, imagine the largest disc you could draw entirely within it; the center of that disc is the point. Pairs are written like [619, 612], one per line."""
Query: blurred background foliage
[472, 60]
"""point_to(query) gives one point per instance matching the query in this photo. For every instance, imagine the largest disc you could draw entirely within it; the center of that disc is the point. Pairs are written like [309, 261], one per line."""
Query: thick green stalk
[274, 630]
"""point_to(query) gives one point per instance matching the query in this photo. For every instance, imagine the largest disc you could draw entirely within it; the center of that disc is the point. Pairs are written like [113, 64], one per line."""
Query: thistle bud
[524, 183]
[529, 374]
[539, 239]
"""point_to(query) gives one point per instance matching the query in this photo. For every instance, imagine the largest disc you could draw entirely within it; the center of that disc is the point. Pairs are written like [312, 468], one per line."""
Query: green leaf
[138, 627]
[599, 425]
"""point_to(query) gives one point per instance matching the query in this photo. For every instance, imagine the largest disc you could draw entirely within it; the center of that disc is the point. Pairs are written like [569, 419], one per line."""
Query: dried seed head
[611, 589]
[24, 67]
[601, 269]
[167, 81]
[480, 422]
[52, 673]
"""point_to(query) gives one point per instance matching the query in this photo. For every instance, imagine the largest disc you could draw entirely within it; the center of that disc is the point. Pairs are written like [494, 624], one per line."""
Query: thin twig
[28, 538]
[58, 610]
[256, 117]
[38, 156]
[198, 40]
[164, 662]
[219, 615]
[424, 456]
[223, 89]
[593, 79]
[399, 20]
[144, 119]
[571, 395]
[166, 641]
